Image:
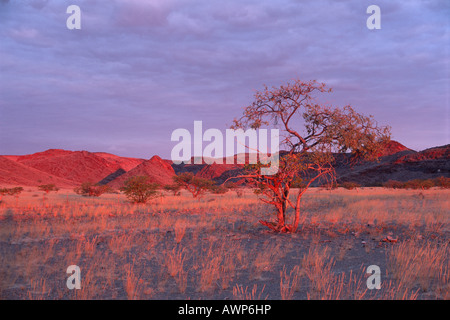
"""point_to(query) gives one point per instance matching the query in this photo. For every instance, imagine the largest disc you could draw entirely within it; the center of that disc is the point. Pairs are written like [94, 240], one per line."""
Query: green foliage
[309, 148]
[393, 184]
[424, 184]
[11, 191]
[442, 182]
[174, 188]
[4, 191]
[48, 187]
[139, 190]
[419, 184]
[220, 189]
[298, 183]
[195, 185]
[89, 189]
[350, 185]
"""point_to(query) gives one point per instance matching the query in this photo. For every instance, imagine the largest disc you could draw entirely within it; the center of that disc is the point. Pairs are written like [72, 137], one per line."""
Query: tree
[3, 192]
[139, 190]
[174, 188]
[195, 185]
[218, 189]
[311, 134]
[90, 189]
[16, 191]
[48, 187]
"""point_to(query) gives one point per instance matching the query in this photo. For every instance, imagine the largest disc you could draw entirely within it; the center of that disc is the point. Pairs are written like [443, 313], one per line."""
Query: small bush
[442, 182]
[48, 187]
[393, 184]
[218, 189]
[419, 184]
[10, 192]
[139, 190]
[174, 188]
[349, 185]
[89, 189]
[424, 184]
[195, 185]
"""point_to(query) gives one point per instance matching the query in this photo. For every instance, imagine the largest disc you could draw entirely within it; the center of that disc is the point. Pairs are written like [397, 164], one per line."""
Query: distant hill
[403, 165]
[158, 170]
[63, 167]
[13, 173]
[125, 163]
[396, 162]
[76, 166]
[71, 168]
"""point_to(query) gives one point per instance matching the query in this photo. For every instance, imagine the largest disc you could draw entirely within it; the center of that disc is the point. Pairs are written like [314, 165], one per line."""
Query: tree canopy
[311, 134]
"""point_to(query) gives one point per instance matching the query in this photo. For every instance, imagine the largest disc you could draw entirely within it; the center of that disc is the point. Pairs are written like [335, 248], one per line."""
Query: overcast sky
[137, 70]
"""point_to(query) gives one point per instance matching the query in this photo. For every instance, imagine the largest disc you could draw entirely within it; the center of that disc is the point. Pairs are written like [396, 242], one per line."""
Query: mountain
[76, 166]
[13, 173]
[71, 168]
[158, 170]
[396, 162]
[394, 147]
[125, 163]
[63, 167]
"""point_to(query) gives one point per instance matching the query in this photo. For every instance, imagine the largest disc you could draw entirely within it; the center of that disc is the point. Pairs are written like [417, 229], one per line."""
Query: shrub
[174, 188]
[139, 190]
[10, 191]
[91, 190]
[195, 185]
[48, 187]
[221, 189]
[393, 184]
[349, 185]
[442, 182]
[419, 184]
[15, 191]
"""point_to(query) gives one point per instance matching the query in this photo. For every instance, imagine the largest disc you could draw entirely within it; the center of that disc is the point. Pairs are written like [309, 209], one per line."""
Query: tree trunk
[281, 217]
[297, 214]
[284, 204]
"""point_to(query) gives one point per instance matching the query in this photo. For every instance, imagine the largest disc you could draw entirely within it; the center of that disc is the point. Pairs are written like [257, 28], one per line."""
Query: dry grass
[289, 283]
[240, 293]
[181, 247]
[415, 263]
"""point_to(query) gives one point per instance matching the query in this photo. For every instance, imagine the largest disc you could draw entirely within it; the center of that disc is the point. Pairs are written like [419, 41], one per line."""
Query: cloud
[139, 69]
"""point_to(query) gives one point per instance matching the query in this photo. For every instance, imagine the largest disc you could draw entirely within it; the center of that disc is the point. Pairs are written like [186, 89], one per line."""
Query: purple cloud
[137, 70]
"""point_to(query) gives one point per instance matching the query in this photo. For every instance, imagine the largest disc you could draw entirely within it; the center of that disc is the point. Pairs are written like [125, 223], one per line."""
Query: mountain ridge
[68, 168]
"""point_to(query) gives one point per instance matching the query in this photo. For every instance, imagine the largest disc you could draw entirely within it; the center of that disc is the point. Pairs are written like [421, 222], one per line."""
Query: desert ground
[177, 247]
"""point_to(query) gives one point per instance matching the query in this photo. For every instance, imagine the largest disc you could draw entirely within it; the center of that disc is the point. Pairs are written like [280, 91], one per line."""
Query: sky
[137, 70]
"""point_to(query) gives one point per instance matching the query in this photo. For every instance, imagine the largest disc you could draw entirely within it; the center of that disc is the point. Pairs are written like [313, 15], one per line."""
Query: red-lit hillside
[393, 147]
[13, 173]
[76, 166]
[158, 170]
[124, 162]
[71, 168]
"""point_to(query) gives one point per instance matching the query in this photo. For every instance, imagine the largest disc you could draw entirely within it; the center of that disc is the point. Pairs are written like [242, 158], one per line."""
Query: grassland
[177, 247]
